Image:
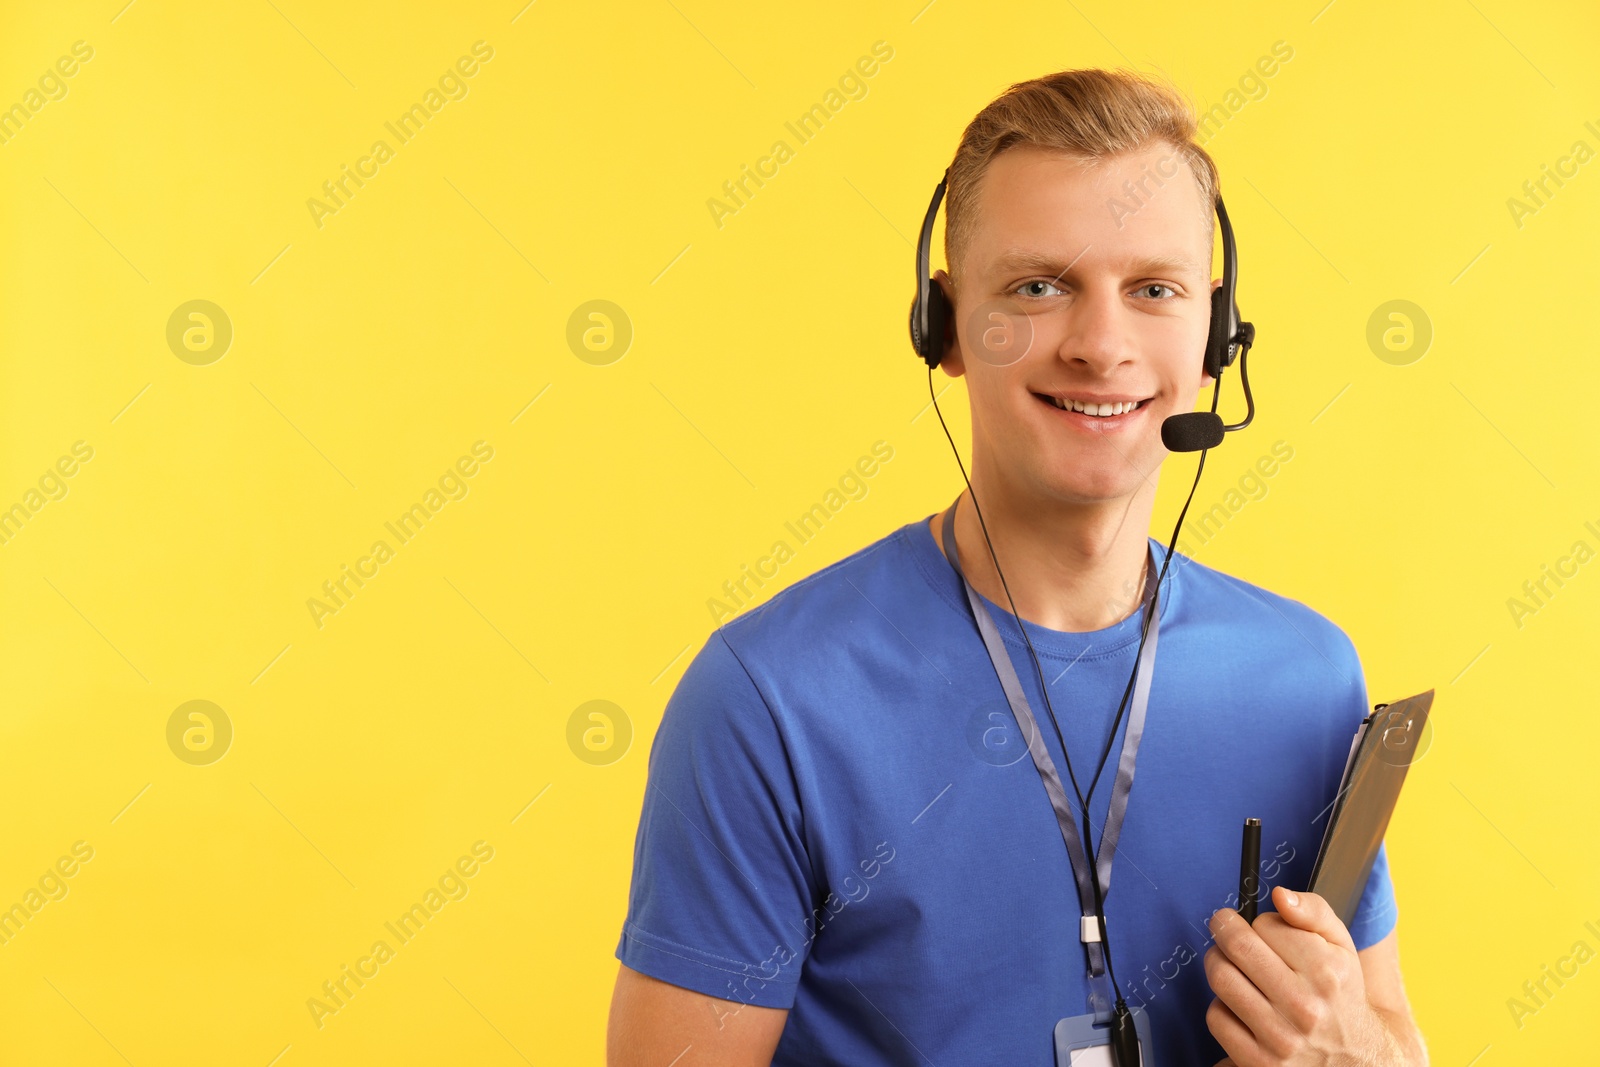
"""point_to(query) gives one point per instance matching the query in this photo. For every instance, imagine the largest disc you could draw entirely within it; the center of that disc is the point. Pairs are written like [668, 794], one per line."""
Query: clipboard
[1384, 746]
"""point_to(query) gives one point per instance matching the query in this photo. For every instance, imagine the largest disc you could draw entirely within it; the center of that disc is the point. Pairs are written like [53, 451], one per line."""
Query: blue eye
[1033, 285]
[1150, 290]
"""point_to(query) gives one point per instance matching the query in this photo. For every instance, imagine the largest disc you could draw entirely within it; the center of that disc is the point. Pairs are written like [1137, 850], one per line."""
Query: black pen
[1249, 864]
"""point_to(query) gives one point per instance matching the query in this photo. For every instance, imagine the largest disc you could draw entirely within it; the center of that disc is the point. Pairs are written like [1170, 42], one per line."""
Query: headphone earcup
[1217, 336]
[939, 314]
[916, 327]
[937, 310]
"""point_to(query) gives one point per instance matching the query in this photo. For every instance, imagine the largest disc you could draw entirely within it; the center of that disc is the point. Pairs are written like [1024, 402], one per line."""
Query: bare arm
[1380, 969]
[656, 1024]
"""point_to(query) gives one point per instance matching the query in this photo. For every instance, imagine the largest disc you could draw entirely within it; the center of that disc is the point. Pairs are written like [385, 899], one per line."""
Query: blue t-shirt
[841, 819]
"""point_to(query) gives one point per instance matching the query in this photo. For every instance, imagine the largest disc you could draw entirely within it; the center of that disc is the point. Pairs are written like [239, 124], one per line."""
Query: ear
[952, 363]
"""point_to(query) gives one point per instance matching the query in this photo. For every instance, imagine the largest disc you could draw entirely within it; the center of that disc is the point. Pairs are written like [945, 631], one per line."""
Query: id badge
[1080, 1043]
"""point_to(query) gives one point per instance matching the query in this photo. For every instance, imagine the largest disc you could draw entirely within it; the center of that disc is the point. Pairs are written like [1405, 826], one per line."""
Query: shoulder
[821, 609]
[810, 634]
[766, 684]
[1244, 611]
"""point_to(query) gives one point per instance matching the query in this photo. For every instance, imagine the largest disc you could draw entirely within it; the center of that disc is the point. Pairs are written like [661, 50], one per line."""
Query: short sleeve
[722, 883]
[1376, 913]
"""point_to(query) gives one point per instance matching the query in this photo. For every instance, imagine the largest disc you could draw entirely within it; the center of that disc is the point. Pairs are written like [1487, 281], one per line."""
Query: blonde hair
[1095, 114]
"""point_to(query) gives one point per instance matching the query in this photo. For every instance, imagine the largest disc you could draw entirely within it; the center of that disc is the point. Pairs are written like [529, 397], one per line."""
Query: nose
[1095, 336]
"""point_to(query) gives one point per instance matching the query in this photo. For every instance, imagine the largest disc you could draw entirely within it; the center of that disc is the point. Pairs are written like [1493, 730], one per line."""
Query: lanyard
[1089, 929]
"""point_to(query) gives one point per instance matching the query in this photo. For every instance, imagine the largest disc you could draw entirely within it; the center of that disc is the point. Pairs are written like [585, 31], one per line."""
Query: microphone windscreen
[1192, 431]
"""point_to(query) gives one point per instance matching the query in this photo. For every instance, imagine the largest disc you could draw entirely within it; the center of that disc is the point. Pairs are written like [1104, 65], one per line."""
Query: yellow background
[767, 355]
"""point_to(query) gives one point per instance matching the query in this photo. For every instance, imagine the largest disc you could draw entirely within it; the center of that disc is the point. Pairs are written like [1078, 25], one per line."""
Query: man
[844, 855]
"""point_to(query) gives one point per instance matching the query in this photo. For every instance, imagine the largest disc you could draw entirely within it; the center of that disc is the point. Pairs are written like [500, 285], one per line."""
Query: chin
[1091, 481]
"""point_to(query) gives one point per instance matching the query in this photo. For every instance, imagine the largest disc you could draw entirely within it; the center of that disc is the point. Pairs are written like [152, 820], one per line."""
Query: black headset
[1229, 337]
[1195, 431]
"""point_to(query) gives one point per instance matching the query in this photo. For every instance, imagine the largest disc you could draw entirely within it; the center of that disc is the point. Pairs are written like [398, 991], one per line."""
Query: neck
[1070, 567]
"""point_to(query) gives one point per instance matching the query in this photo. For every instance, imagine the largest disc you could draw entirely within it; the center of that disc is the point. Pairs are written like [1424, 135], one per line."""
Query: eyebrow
[1029, 261]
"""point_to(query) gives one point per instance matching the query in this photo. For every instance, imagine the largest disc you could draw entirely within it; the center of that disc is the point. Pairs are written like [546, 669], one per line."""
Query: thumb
[1309, 911]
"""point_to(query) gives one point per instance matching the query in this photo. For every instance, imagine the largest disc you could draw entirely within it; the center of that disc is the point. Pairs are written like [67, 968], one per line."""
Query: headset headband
[920, 307]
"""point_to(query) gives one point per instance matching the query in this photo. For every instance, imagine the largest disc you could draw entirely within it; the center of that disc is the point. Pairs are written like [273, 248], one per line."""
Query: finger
[1322, 970]
[1271, 1030]
[1302, 950]
[1308, 911]
[1263, 966]
[1234, 1037]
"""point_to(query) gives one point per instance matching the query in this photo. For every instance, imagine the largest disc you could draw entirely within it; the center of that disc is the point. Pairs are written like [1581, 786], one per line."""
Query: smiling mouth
[1096, 411]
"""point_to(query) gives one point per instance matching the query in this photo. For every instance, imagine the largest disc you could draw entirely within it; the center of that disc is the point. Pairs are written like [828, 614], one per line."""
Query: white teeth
[1099, 410]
